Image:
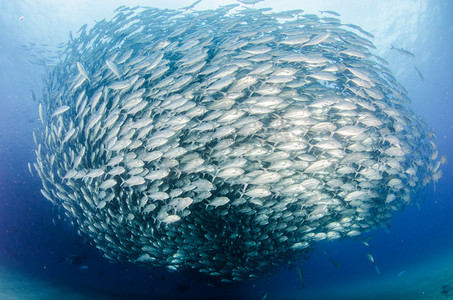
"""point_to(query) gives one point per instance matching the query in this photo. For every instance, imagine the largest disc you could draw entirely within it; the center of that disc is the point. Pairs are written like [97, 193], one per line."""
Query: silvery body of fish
[229, 142]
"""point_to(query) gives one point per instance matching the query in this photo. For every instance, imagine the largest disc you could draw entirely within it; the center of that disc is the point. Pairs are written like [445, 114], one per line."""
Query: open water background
[36, 244]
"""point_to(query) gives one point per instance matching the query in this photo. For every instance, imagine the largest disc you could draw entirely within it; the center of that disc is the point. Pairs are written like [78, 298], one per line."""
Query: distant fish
[334, 262]
[378, 270]
[419, 73]
[403, 51]
[191, 5]
[401, 273]
[300, 276]
[33, 96]
[334, 13]
[248, 2]
[29, 169]
[75, 259]
[371, 259]
[84, 26]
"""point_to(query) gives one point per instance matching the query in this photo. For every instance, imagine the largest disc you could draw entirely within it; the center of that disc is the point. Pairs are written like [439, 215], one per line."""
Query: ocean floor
[431, 279]
[17, 286]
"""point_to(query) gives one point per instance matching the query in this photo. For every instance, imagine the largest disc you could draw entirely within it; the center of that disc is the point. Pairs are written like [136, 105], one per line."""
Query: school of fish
[228, 141]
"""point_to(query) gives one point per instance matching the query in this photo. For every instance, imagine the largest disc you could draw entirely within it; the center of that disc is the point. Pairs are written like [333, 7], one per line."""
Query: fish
[192, 5]
[133, 181]
[377, 269]
[419, 73]
[41, 113]
[171, 219]
[402, 51]
[334, 262]
[60, 110]
[300, 276]
[330, 12]
[318, 39]
[350, 130]
[249, 1]
[108, 184]
[29, 169]
[95, 173]
[75, 259]
[33, 96]
[370, 257]
[230, 172]
[82, 71]
[113, 68]
[208, 142]
[219, 201]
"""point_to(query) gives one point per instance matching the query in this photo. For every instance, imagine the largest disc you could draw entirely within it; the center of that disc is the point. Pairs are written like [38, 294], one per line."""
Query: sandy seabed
[17, 286]
[432, 279]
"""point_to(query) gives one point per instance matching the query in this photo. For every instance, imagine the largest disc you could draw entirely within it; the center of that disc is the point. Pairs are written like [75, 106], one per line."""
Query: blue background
[35, 243]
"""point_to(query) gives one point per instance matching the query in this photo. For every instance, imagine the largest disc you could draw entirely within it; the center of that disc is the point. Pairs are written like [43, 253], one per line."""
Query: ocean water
[42, 257]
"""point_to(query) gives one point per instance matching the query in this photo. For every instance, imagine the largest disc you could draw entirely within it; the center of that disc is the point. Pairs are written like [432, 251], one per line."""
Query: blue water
[39, 245]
